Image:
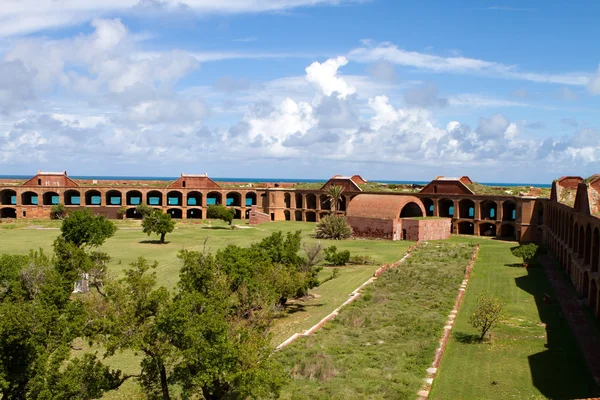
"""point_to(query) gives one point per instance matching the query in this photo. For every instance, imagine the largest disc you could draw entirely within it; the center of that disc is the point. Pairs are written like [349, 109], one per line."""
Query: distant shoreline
[262, 180]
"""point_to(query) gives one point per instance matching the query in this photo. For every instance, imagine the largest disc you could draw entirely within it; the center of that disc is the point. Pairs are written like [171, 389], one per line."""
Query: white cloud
[325, 76]
[19, 17]
[463, 65]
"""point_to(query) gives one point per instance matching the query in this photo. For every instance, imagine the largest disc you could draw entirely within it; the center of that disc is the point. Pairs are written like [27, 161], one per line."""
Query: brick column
[436, 207]
[499, 210]
[477, 213]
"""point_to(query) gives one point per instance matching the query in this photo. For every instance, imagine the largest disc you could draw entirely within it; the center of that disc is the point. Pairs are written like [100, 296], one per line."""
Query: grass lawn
[525, 359]
[380, 345]
[130, 242]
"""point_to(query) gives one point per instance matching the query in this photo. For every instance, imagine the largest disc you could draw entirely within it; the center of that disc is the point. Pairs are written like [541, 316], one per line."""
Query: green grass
[380, 346]
[130, 242]
[524, 359]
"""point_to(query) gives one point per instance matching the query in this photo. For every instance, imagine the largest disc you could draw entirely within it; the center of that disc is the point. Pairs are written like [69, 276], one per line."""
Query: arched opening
[194, 199]
[93, 198]
[298, 200]
[233, 199]
[250, 199]
[446, 208]
[411, 209]
[588, 244]
[594, 298]
[298, 216]
[8, 197]
[323, 214]
[72, 198]
[487, 229]
[488, 210]
[174, 198]
[286, 214]
[466, 228]
[540, 216]
[311, 216]
[133, 198]
[342, 204]
[404, 234]
[466, 209]
[238, 213]
[595, 250]
[507, 231]
[175, 213]
[29, 199]
[585, 289]
[575, 238]
[51, 198]
[287, 199]
[311, 201]
[113, 198]
[428, 206]
[509, 211]
[8, 212]
[325, 203]
[132, 213]
[581, 248]
[194, 213]
[154, 198]
[214, 198]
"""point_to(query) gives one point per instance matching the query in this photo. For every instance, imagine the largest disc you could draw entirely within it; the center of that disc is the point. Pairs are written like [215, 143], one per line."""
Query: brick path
[584, 332]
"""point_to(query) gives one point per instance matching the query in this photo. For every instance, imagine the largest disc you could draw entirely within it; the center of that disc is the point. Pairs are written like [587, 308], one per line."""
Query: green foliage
[206, 338]
[82, 227]
[159, 223]
[361, 260]
[334, 194]
[488, 312]
[526, 251]
[122, 211]
[144, 210]
[333, 257]
[218, 211]
[333, 227]
[58, 211]
[38, 322]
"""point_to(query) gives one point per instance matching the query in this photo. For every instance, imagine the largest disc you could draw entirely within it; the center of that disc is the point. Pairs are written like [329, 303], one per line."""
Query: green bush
[334, 258]
[58, 211]
[333, 227]
[528, 252]
[217, 211]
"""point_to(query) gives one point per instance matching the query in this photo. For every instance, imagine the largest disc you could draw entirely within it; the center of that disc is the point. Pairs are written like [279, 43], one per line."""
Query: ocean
[221, 179]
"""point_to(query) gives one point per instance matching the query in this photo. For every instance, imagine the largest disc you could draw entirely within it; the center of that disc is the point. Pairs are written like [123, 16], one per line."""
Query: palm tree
[334, 193]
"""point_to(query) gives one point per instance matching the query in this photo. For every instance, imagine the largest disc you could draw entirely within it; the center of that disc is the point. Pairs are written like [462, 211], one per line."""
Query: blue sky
[503, 91]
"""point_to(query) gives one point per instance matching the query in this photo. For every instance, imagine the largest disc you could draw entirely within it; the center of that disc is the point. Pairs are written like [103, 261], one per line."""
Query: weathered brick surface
[257, 217]
[376, 228]
[426, 229]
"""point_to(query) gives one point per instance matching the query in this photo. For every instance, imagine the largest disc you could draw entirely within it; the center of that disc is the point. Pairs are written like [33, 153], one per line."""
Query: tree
[58, 211]
[333, 227]
[334, 194]
[82, 227]
[488, 312]
[217, 211]
[205, 338]
[526, 251]
[38, 322]
[144, 210]
[159, 223]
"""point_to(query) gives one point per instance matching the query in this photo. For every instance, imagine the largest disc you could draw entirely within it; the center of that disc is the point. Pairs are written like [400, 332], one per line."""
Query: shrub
[144, 210]
[334, 258]
[333, 227]
[58, 211]
[217, 211]
[122, 211]
[526, 251]
[488, 312]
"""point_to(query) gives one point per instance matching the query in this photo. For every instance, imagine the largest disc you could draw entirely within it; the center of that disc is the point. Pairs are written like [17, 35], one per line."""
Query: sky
[501, 91]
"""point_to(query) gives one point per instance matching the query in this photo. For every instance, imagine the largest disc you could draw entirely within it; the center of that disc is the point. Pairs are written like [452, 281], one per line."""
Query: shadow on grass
[467, 338]
[562, 357]
[227, 228]
[293, 308]
[514, 265]
[156, 241]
